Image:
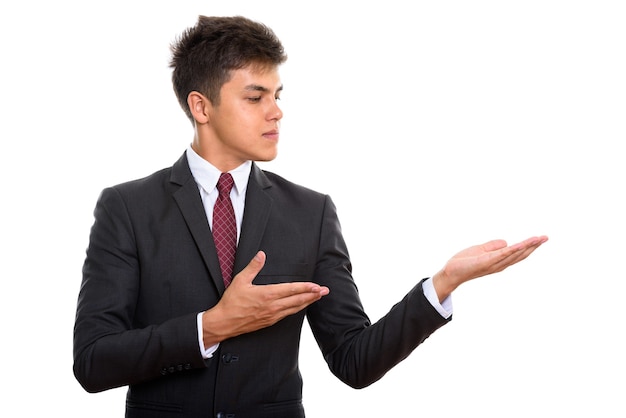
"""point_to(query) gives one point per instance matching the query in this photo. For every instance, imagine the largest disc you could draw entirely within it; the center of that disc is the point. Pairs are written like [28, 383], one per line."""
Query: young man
[162, 310]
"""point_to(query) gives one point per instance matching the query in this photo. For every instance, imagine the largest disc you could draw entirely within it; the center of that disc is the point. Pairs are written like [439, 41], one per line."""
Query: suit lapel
[256, 214]
[190, 204]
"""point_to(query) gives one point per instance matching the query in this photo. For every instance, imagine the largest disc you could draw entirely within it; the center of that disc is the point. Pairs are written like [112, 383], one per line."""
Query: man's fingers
[291, 299]
[295, 289]
[530, 242]
[519, 252]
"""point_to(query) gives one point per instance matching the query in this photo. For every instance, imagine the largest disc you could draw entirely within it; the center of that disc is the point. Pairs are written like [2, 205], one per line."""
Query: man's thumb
[253, 268]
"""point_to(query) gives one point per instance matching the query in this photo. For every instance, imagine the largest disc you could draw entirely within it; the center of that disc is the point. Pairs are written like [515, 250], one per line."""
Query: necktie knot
[225, 184]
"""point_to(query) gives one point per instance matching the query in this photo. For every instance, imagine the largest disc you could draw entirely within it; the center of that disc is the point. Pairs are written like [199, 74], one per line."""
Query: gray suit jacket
[151, 267]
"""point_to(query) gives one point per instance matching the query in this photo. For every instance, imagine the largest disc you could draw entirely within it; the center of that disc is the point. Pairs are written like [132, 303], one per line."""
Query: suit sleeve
[357, 352]
[109, 350]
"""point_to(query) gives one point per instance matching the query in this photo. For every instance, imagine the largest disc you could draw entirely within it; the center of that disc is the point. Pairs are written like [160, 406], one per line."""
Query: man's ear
[199, 106]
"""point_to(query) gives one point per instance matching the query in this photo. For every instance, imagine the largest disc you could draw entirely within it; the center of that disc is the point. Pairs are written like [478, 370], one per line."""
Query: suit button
[171, 369]
[229, 358]
[224, 415]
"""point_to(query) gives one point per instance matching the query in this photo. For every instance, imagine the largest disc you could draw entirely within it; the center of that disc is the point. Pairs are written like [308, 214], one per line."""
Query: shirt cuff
[206, 352]
[444, 308]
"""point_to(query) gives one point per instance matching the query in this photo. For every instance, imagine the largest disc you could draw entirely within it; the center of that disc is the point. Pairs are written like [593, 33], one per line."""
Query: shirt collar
[206, 174]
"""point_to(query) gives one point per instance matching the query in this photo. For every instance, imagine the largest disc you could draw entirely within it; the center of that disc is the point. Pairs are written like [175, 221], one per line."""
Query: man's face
[246, 123]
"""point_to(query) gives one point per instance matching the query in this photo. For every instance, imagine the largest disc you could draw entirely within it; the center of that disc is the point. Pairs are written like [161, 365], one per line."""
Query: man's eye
[254, 99]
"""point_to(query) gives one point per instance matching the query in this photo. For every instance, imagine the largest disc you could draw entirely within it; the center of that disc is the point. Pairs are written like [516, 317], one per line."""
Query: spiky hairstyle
[204, 55]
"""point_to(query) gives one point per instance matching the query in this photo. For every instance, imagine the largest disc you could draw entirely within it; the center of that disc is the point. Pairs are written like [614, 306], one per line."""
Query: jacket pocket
[142, 408]
[282, 272]
[287, 409]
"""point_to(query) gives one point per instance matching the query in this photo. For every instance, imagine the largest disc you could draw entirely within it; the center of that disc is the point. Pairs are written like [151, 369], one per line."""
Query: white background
[488, 119]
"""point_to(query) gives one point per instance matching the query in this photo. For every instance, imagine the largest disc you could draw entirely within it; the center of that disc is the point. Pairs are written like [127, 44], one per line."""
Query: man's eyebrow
[256, 87]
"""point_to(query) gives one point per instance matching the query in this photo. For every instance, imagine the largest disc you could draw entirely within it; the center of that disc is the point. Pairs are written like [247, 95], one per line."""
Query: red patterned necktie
[225, 227]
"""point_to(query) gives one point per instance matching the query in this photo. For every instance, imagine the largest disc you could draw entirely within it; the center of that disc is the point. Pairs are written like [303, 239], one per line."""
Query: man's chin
[266, 157]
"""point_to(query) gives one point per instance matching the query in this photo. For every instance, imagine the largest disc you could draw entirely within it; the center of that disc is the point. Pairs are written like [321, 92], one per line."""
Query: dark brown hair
[204, 55]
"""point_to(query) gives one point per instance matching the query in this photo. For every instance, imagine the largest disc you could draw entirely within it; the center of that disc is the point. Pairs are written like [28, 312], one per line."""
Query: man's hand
[481, 260]
[246, 307]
